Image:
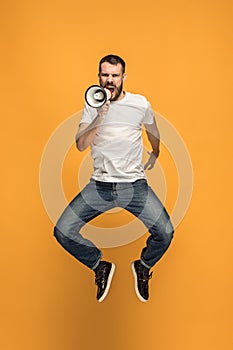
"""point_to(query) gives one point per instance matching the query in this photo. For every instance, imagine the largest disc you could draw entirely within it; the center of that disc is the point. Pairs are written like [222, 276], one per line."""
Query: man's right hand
[104, 109]
[87, 132]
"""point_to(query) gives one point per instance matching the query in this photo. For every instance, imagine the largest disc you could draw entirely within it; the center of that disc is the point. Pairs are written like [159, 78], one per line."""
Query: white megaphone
[96, 96]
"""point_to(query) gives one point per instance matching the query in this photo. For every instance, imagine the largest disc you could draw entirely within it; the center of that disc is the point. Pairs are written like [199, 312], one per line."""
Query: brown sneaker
[103, 278]
[141, 279]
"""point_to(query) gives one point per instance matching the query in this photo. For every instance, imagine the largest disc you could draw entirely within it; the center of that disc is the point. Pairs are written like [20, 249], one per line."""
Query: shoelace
[100, 278]
[146, 277]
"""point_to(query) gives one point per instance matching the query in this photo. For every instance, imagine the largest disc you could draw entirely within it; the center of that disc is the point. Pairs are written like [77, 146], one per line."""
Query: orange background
[178, 54]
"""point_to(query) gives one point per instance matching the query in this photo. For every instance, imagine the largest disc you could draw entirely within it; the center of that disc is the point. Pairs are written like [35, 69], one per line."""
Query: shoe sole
[136, 284]
[111, 273]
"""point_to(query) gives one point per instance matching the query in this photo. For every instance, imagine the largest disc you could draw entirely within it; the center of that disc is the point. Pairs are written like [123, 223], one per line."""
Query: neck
[122, 95]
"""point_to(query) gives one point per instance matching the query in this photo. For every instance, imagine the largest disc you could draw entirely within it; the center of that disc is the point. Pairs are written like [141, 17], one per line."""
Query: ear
[124, 76]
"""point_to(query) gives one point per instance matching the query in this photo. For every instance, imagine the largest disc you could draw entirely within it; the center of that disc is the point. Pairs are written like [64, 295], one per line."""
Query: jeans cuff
[97, 263]
[144, 264]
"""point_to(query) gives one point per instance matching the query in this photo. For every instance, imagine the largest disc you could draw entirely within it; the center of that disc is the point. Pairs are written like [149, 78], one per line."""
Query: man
[114, 133]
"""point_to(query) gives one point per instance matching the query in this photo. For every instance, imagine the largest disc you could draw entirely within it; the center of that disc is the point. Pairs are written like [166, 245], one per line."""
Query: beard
[117, 90]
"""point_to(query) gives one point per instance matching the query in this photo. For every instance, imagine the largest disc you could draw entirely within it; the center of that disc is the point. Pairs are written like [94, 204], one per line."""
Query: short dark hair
[112, 59]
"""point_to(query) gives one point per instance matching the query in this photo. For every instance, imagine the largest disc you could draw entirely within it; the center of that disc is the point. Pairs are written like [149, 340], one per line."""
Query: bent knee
[166, 232]
[61, 237]
[57, 233]
[65, 233]
[169, 230]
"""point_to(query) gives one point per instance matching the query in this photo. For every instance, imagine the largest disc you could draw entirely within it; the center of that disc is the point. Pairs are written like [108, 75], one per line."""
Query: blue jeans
[98, 197]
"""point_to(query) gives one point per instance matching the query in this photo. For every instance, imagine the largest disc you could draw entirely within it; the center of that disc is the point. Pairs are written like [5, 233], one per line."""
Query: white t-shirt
[117, 147]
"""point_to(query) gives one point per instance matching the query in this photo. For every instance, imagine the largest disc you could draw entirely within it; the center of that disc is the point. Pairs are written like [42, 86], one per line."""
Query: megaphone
[96, 96]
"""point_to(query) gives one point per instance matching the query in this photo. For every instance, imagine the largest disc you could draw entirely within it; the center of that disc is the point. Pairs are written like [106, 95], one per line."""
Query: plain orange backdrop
[179, 55]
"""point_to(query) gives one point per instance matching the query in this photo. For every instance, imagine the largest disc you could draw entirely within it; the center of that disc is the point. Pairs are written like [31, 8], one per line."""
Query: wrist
[155, 152]
[100, 115]
[99, 118]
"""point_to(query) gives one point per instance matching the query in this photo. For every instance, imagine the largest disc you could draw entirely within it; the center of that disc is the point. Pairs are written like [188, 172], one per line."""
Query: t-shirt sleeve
[89, 114]
[149, 114]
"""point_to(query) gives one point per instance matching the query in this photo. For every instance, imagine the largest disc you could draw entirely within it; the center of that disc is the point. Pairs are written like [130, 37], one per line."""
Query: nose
[110, 79]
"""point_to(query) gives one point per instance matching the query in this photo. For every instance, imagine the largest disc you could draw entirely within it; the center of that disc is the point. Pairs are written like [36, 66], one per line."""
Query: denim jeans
[97, 197]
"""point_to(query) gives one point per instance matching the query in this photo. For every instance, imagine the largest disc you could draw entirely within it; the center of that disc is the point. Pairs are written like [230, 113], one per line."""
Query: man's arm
[87, 132]
[154, 139]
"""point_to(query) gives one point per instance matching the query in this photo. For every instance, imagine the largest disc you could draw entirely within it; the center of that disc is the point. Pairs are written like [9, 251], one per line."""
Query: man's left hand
[151, 161]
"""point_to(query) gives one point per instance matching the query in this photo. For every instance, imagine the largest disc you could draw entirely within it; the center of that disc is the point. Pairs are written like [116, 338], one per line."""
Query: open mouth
[110, 88]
